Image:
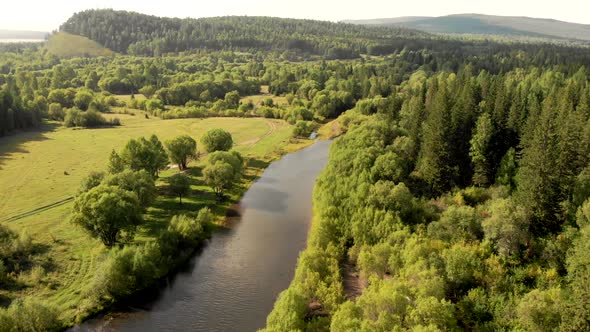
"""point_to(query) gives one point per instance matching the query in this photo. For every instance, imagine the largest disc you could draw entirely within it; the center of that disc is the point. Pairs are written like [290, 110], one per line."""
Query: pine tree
[435, 164]
[537, 179]
[479, 150]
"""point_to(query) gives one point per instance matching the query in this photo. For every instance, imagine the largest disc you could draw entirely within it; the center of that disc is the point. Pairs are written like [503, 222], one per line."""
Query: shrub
[29, 315]
[89, 119]
[304, 129]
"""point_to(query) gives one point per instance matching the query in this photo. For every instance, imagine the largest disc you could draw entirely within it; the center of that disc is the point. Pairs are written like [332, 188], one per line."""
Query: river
[233, 282]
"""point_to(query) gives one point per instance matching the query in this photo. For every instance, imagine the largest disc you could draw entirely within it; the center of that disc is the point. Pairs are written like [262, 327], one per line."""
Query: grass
[257, 100]
[45, 166]
[127, 98]
[67, 45]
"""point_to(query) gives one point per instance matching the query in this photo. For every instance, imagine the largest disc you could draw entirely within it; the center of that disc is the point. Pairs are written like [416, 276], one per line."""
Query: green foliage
[145, 154]
[303, 129]
[157, 36]
[108, 213]
[179, 185]
[133, 268]
[83, 100]
[141, 183]
[479, 149]
[457, 223]
[508, 226]
[29, 315]
[89, 119]
[127, 270]
[217, 140]
[540, 310]
[220, 176]
[181, 150]
[94, 179]
[232, 99]
[116, 163]
[56, 112]
[507, 170]
[577, 315]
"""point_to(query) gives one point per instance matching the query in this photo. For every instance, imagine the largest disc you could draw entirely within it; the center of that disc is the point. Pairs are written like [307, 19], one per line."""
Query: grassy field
[67, 45]
[42, 167]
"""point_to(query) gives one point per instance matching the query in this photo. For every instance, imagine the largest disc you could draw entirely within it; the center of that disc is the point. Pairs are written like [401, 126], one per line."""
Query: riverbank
[222, 210]
[236, 276]
[40, 167]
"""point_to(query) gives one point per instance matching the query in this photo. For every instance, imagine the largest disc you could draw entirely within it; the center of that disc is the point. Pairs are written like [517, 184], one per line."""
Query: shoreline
[223, 222]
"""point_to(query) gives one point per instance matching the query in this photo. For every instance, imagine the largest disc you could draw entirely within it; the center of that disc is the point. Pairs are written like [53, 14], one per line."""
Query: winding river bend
[231, 285]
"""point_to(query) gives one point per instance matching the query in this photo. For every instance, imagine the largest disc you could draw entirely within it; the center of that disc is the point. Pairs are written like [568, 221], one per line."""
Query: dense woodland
[460, 187]
[138, 34]
[465, 206]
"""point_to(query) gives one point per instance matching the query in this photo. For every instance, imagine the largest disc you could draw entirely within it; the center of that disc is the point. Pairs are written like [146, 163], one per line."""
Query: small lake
[233, 282]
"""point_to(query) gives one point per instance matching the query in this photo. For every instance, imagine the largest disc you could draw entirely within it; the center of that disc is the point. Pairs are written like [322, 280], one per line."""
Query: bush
[56, 112]
[89, 119]
[190, 231]
[304, 129]
[130, 269]
[29, 315]
[217, 140]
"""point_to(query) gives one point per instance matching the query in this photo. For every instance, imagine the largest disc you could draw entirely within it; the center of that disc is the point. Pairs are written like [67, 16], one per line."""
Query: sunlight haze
[48, 15]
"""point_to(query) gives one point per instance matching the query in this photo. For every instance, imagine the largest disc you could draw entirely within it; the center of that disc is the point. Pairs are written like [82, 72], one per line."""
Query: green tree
[538, 181]
[508, 226]
[220, 176]
[56, 112]
[108, 213]
[434, 164]
[148, 91]
[540, 310]
[141, 183]
[83, 99]
[217, 140]
[182, 149]
[145, 154]
[116, 163]
[479, 149]
[232, 157]
[93, 179]
[180, 185]
[232, 99]
[507, 171]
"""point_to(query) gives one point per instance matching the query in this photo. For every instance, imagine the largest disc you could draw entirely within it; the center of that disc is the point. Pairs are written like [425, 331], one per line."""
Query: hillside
[67, 45]
[139, 34]
[488, 25]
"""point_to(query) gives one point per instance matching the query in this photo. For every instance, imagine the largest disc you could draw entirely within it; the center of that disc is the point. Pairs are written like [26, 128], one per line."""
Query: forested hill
[139, 34]
[487, 25]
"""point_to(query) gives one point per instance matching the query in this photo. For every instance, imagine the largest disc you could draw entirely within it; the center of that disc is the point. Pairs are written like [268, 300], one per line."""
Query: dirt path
[351, 281]
[273, 127]
[38, 210]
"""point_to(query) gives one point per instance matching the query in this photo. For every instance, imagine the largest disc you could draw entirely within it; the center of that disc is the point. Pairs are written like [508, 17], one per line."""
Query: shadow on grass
[168, 204]
[13, 143]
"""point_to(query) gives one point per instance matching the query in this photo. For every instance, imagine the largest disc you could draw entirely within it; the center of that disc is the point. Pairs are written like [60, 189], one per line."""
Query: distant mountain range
[16, 34]
[487, 25]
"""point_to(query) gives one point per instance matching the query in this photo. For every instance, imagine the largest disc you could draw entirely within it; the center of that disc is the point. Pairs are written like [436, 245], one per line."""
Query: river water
[232, 284]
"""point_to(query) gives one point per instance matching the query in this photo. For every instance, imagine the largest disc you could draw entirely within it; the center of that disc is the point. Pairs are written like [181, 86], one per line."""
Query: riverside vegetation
[458, 190]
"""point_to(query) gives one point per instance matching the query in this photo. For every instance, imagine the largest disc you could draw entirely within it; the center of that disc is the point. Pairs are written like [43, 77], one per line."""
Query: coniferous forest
[457, 192]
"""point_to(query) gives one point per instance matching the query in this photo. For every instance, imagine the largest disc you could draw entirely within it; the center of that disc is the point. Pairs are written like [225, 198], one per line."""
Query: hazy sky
[47, 15]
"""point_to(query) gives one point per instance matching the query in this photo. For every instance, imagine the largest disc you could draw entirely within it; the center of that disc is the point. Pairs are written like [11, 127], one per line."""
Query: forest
[458, 190]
